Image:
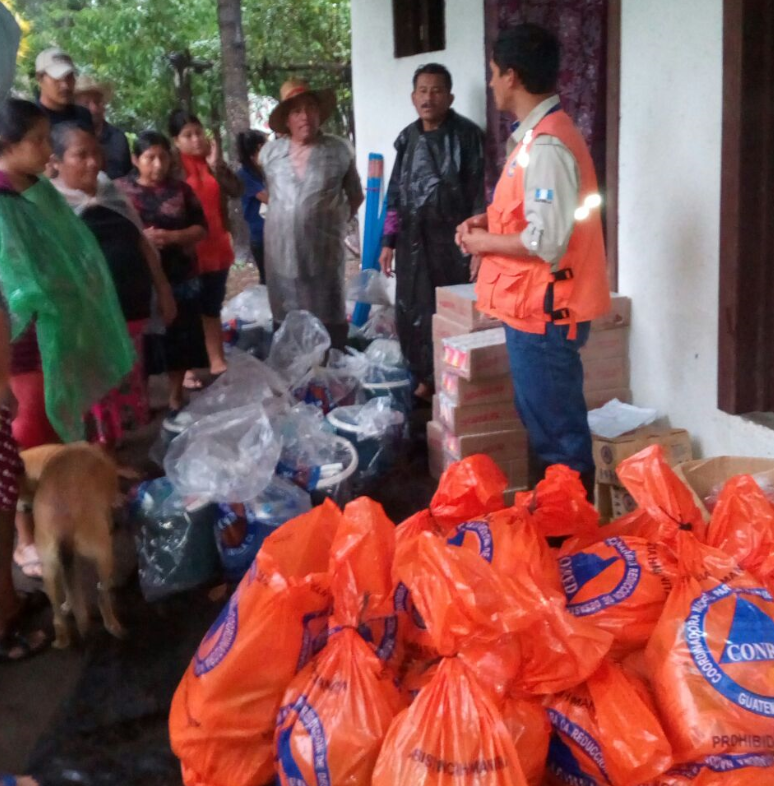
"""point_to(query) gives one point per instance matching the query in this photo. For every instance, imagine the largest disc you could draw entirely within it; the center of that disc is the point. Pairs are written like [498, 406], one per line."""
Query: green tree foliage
[127, 42]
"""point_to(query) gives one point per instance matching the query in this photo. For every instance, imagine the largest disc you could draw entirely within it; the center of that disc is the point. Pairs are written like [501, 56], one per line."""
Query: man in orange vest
[541, 252]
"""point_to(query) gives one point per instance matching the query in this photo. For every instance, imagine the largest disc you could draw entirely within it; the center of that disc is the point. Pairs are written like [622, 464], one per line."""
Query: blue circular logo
[219, 639]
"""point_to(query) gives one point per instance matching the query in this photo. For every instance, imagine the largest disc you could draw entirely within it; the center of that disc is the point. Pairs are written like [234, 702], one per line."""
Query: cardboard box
[478, 355]
[606, 344]
[462, 393]
[458, 303]
[605, 373]
[509, 495]
[435, 449]
[620, 314]
[609, 453]
[436, 408]
[598, 398]
[499, 445]
[443, 327]
[706, 475]
[478, 419]
[613, 502]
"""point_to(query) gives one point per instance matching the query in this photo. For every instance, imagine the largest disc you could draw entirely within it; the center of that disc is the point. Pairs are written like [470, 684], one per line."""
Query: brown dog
[73, 489]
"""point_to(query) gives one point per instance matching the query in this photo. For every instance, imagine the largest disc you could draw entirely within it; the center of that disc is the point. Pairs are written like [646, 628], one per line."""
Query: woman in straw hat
[315, 191]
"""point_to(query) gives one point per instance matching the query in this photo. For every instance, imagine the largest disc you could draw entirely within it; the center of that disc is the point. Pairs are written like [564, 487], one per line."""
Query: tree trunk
[237, 107]
[232, 47]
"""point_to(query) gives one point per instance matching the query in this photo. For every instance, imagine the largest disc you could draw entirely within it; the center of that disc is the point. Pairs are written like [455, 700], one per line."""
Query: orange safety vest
[513, 289]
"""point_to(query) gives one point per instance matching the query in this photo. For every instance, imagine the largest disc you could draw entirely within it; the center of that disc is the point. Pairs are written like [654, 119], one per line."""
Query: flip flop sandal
[17, 646]
[31, 562]
[13, 780]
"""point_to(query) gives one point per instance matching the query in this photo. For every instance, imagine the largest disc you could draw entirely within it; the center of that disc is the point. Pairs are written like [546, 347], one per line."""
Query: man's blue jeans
[548, 379]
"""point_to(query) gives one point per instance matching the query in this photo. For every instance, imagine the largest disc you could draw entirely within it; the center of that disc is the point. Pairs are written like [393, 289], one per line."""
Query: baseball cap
[54, 62]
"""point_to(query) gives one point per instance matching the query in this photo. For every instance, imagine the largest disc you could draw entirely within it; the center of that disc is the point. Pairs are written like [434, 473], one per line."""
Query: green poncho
[52, 271]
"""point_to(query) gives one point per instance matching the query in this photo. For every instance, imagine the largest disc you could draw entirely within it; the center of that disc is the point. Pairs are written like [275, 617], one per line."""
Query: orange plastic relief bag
[743, 526]
[468, 489]
[711, 658]
[453, 734]
[224, 711]
[619, 585]
[558, 505]
[606, 732]
[336, 712]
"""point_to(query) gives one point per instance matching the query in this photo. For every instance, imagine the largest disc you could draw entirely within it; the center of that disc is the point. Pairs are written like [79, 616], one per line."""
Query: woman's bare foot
[28, 561]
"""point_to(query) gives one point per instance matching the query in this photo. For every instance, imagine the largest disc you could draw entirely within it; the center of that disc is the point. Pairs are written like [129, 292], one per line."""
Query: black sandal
[17, 646]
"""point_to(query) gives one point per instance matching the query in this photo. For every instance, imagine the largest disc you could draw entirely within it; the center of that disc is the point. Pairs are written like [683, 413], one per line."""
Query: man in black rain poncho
[438, 178]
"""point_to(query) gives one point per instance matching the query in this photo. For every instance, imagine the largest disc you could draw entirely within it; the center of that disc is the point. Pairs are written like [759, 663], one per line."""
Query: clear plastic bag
[312, 454]
[242, 528]
[250, 306]
[227, 456]
[369, 286]
[381, 324]
[376, 431]
[175, 543]
[334, 385]
[299, 345]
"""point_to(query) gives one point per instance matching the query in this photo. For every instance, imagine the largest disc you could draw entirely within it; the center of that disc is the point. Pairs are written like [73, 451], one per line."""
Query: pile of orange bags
[458, 649]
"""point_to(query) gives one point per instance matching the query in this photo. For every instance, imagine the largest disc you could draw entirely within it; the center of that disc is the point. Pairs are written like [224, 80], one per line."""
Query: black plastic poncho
[437, 182]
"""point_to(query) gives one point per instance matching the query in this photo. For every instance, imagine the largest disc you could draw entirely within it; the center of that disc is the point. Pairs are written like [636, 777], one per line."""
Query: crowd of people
[114, 260]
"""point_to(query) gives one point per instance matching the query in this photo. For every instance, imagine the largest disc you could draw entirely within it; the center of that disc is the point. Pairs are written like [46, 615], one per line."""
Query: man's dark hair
[179, 119]
[434, 68]
[61, 133]
[17, 119]
[148, 139]
[533, 53]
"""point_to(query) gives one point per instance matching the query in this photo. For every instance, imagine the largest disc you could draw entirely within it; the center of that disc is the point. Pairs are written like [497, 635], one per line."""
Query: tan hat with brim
[290, 92]
[88, 84]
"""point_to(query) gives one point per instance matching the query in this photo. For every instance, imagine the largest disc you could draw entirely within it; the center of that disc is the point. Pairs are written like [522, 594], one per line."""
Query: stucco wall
[671, 125]
[382, 83]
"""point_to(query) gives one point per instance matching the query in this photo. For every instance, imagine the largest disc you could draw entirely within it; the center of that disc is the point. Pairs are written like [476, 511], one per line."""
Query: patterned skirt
[126, 407]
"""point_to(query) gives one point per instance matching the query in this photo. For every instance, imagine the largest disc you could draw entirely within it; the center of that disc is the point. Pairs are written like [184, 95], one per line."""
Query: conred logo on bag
[301, 718]
[739, 662]
[574, 756]
[219, 640]
[314, 637]
[579, 571]
[482, 531]
[402, 602]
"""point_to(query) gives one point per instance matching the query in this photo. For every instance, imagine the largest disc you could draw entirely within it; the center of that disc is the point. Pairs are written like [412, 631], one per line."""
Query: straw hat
[88, 84]
[292, 90]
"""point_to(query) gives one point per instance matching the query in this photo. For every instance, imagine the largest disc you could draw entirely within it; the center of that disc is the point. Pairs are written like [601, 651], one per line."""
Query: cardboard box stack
[613, 500]
[474, 410]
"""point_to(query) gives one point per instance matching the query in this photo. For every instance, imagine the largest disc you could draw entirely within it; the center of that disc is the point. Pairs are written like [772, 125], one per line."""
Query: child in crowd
[174, 223]
[249, 146]
[71, 345]
[134, 265]
[213, 182]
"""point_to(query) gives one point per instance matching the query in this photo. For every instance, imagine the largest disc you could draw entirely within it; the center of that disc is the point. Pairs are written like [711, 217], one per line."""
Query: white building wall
[382, 83]
[671, 127]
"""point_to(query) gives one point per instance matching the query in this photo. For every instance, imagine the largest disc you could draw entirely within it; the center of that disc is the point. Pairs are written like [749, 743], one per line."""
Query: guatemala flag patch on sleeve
[544, 195]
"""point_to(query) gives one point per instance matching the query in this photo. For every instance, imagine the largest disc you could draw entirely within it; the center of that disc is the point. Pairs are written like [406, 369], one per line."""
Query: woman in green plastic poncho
[57, 284]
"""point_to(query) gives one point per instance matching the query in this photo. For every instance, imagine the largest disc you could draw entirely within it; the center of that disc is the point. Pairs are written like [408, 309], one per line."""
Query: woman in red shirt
[213, 183]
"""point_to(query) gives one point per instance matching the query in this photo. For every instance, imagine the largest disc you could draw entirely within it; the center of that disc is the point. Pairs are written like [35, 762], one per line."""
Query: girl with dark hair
[174, 223]
[134, 266]
[213, 182]
[249, 144]
[71, 345]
